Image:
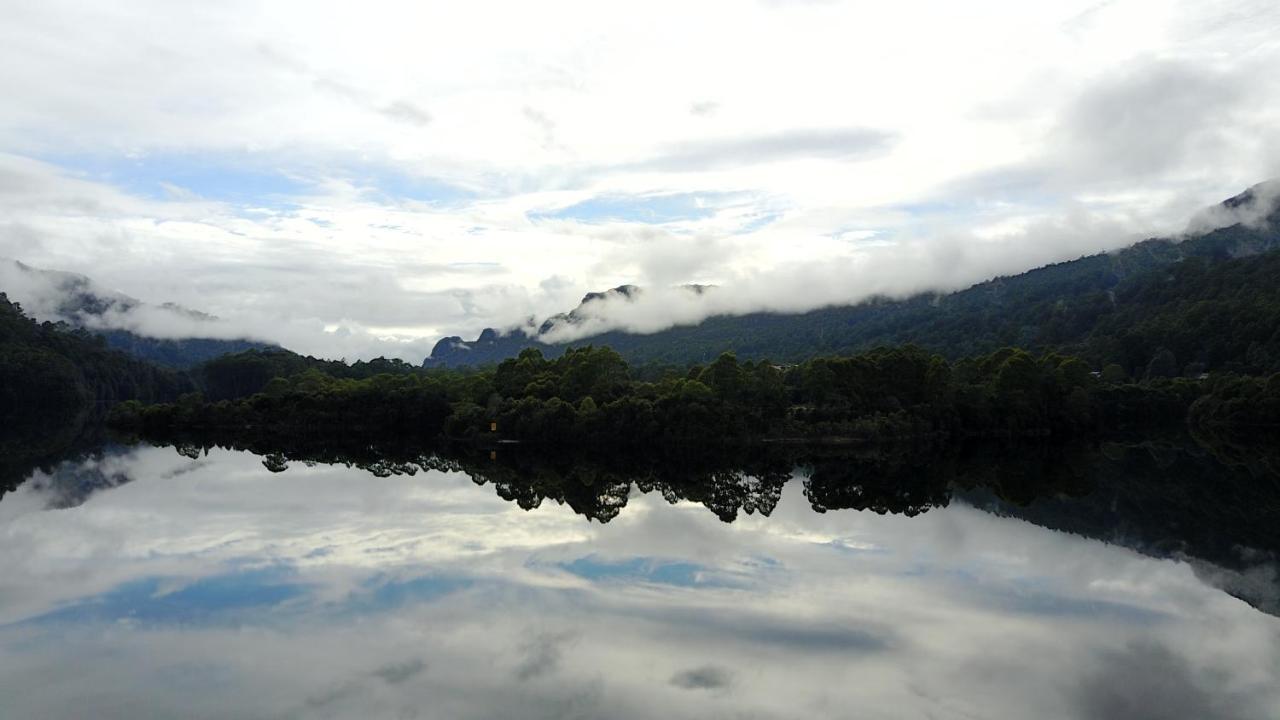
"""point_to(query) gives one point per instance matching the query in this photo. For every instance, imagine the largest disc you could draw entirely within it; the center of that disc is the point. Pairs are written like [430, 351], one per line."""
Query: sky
[360, 179]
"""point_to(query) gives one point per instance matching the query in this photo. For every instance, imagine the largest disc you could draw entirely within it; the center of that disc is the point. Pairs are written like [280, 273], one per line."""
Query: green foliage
[1239, 406]
[588, 397]
[52, 374]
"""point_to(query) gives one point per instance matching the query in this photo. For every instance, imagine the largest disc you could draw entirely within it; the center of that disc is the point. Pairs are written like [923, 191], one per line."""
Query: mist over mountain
[167, 334]
[1054, 305]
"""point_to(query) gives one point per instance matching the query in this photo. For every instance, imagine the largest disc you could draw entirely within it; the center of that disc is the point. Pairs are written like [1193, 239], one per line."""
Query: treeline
[53, 375]
[590, 397]
[242, 374]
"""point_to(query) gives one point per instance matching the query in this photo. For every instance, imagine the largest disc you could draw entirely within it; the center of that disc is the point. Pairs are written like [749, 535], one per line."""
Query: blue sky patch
[216, 598]
[647, 569]
[392, 186]
[247, 595]
[383, 593]
[653, 209]
[168, 177]
[247, 179]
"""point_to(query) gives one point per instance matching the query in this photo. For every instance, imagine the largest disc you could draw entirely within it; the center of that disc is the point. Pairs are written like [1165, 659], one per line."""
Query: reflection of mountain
[75, 299]
[1171, 500]
[23, 451]
[69, 483]
[64, 468]
[1061, 305]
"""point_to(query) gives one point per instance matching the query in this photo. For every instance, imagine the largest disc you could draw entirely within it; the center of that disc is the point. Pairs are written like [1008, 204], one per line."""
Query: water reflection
[140, 581]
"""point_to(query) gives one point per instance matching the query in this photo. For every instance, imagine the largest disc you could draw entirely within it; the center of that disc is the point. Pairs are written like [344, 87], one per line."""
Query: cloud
[396, 673]
[704, 107]
[541, 655]
[851, 271]
[801, 144]
[545, 125]
[1149, 118]
[405, 111]
[707, 677]
[1255, 208]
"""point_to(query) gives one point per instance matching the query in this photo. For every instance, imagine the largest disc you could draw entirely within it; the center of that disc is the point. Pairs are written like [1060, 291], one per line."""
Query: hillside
[1123, 307]
[53, 375]
[77, 300]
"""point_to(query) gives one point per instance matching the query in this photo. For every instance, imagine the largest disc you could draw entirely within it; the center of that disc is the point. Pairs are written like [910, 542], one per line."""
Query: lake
[1121, 581]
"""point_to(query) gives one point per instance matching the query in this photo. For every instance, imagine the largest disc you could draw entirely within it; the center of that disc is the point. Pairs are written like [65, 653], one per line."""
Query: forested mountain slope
[1208, 298]
[54, 374]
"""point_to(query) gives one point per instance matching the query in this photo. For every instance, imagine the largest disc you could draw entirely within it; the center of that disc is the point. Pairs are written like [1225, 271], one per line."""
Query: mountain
[492, 346]
[1110, 307]
[77, 300]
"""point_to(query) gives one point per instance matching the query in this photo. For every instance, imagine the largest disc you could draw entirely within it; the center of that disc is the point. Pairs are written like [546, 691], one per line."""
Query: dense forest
[54, 375]
[590, 397]
[1210, 299]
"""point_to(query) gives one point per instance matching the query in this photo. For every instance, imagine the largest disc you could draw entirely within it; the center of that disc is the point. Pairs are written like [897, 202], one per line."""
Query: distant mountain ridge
[80, 302]
[520, 338]
[1053, 306]
[580, 314]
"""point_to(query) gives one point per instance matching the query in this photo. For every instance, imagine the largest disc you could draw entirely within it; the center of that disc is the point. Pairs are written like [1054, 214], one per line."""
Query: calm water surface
[139, 582]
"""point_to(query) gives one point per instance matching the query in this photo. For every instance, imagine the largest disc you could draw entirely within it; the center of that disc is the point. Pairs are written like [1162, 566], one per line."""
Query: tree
[1113, 374]
[1163, 365]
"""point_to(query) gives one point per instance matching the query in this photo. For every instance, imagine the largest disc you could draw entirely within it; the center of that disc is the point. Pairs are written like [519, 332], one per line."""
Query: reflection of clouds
[541, 654]
[327, 592]
[707, 677]
[396, 673]
[1146, 681]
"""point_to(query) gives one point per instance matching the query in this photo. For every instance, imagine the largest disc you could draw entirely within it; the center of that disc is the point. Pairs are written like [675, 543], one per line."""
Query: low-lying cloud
[865, 270]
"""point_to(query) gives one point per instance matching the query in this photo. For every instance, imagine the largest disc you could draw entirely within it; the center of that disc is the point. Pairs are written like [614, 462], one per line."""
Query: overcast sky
[356, 179]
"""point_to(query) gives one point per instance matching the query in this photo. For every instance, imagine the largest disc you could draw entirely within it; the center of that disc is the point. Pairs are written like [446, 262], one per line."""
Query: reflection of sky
[216, 588]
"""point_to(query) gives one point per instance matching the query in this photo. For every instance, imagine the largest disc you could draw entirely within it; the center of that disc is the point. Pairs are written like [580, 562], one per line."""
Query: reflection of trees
[1261, 460]
[598, 488]
[590, 490]
[889, 480]
[899, 479]
[749, 482]
[1023, 473]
